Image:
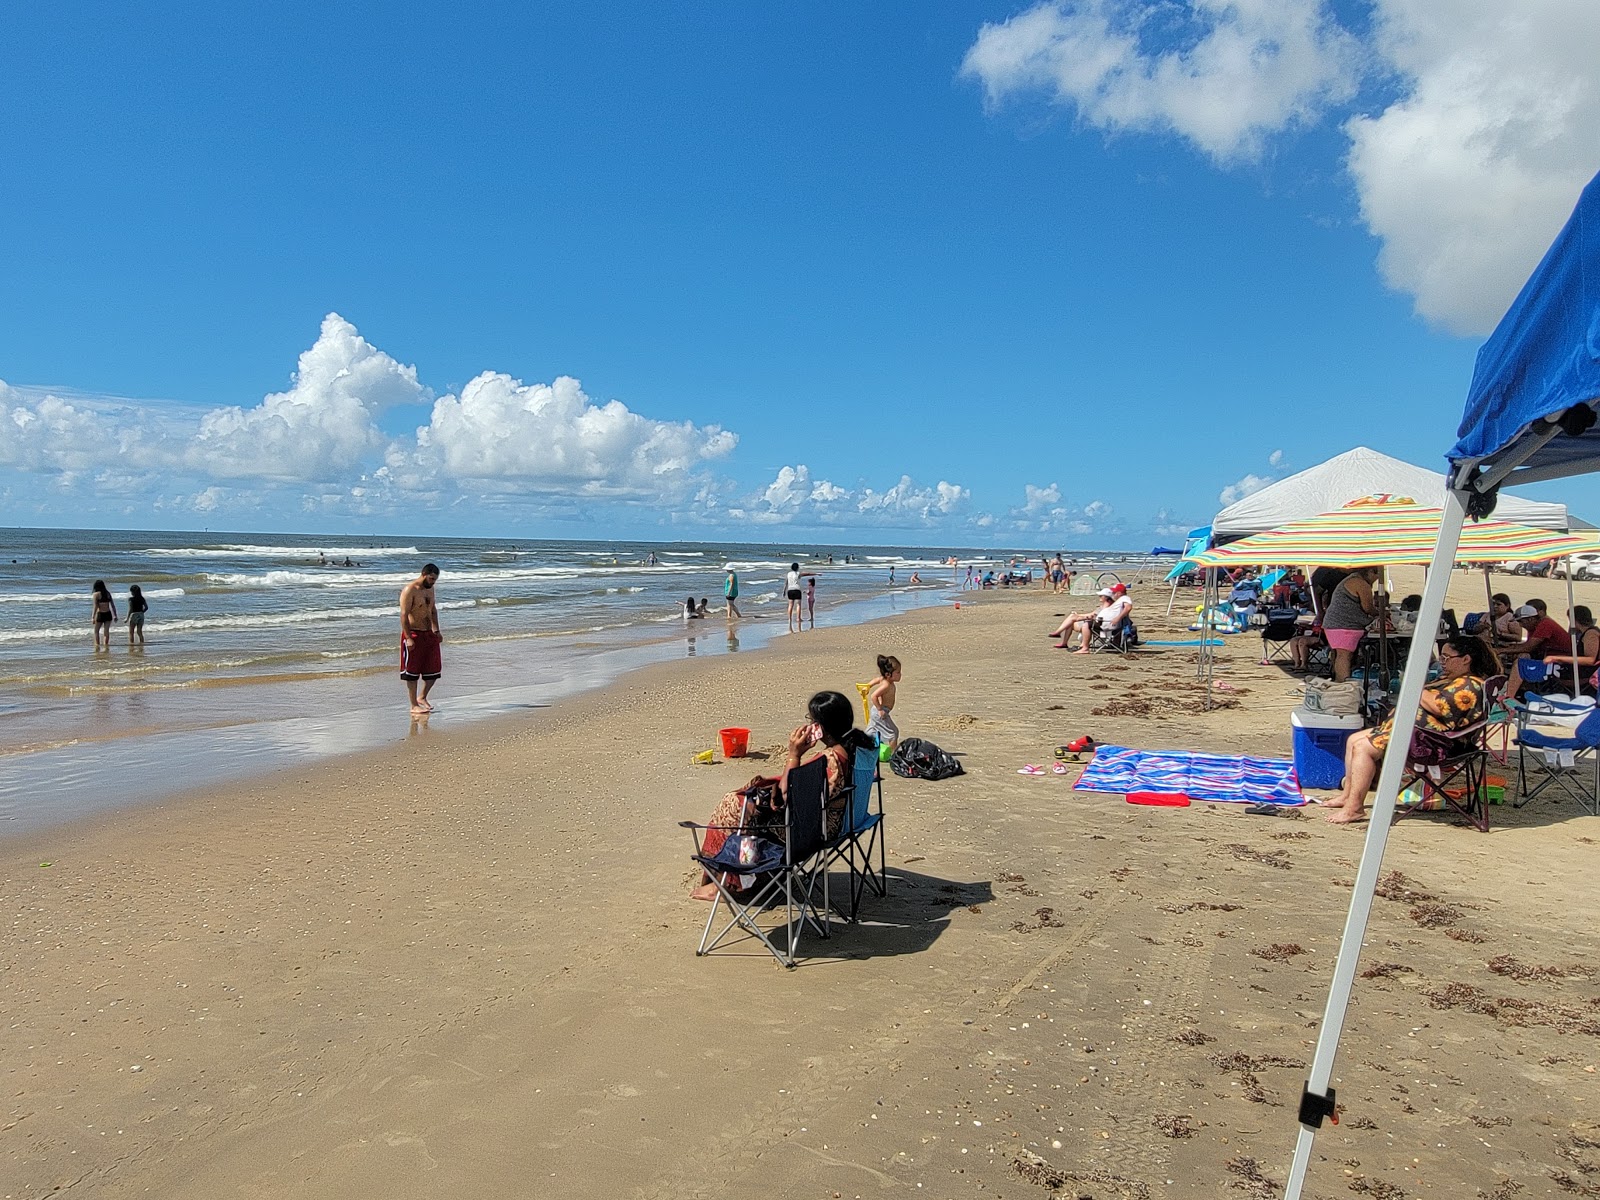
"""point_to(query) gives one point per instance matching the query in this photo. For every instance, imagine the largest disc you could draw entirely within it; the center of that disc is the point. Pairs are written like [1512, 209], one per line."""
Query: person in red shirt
[1544, 639]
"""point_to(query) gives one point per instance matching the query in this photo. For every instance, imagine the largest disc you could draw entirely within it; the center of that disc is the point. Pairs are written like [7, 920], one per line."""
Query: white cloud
[1484, 127]
[503, 433]
[1040, 499]
[1235, 492]
[1097, 509]
[1275, 459]
[1230, 72]
[1469, 174]
[322, 427]
[793, 496]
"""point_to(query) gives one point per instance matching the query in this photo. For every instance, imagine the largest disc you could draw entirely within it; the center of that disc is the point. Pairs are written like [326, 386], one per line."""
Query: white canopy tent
[1349, 476]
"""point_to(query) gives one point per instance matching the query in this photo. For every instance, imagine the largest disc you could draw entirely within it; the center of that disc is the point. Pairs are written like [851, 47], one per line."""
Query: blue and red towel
[1207, 778]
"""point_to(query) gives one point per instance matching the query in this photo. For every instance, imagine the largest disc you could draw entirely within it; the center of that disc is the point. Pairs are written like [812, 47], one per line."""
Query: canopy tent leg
[1317, 1101]
[1572, 623]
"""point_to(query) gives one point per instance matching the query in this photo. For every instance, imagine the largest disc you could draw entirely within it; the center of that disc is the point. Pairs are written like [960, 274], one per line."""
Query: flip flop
[1082, 745]
[1060, 769]
[1031, 769]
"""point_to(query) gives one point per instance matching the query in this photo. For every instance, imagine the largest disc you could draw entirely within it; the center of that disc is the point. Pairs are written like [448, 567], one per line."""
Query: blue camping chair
[861, 832]
[1571, 763]
[785, 875]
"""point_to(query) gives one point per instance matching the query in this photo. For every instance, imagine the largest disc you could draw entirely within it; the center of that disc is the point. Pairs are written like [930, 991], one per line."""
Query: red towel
[1161, 799]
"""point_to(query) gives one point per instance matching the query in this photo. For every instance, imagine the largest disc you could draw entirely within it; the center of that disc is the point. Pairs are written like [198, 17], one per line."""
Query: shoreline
[72, 778]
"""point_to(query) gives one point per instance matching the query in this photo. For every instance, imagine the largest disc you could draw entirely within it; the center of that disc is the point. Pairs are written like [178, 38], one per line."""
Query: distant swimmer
[420, 639]
[651, 561]
[348, 563]
[322, 559]
[137, 607]
[916, 578]
[691, 611]
[104, 612]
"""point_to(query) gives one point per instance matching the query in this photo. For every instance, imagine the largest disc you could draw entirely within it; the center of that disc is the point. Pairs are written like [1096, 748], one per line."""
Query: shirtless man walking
[420, 638]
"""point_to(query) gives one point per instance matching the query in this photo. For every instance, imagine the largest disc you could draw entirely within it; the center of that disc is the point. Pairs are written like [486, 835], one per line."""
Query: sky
[1060, 275]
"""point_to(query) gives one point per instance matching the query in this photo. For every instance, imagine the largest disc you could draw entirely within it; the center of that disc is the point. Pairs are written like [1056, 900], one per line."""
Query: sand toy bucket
[735, 742]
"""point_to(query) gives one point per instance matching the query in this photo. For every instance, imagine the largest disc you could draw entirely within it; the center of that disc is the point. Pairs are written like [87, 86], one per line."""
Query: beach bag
[1336, 699]
[918, 759]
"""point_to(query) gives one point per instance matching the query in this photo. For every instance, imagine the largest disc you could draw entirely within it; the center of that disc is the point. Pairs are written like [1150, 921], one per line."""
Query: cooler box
[1319, 740]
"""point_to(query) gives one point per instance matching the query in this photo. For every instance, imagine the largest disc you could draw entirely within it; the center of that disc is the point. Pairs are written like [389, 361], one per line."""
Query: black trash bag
[918, 759]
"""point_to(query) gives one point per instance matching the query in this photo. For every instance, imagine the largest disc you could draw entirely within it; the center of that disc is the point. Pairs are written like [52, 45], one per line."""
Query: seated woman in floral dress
[828, 733]
[1453, 701]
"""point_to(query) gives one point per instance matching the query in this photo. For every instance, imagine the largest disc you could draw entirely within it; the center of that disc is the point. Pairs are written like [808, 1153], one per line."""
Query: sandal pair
[1036, 769]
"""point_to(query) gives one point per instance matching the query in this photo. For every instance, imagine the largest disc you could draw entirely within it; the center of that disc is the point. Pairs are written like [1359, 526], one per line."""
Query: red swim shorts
[419, 655]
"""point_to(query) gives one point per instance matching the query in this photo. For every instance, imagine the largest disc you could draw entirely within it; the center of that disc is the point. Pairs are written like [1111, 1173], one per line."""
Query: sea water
[265, 650]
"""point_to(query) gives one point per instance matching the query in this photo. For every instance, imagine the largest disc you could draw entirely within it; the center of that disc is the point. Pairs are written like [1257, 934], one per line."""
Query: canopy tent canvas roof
[1372, 533]
[1349, 476]
[1530, 415]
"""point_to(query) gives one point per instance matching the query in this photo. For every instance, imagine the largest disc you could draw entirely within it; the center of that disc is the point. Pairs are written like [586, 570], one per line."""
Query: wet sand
[463, 964]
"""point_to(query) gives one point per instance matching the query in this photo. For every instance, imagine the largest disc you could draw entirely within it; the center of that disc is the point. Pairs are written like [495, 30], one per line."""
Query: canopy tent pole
[1317, 1101]
[1488, 591]
[1572, 623]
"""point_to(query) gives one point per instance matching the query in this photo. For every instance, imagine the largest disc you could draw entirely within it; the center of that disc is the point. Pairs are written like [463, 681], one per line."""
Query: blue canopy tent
[1530, 416]
[1198, 541]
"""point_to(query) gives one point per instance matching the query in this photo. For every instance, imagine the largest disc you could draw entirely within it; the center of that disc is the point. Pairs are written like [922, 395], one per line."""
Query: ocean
[265, 651]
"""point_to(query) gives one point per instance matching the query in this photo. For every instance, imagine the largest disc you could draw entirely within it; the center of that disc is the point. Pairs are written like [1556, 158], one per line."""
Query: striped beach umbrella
[1385, 530]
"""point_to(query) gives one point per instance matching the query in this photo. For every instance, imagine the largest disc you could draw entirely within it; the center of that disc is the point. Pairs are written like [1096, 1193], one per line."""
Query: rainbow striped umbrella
[1385, 530]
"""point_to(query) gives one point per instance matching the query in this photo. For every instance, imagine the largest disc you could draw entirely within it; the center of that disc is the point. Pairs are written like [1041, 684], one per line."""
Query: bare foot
[1344, 818]
[1083, 651]
[706, 891]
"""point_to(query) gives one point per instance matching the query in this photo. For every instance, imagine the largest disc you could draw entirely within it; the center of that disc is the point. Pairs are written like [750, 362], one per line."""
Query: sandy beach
[463, 965]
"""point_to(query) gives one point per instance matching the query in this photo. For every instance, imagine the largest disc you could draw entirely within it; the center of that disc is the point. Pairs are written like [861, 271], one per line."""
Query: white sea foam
[310, 616]
[231, 550]
[83, 597]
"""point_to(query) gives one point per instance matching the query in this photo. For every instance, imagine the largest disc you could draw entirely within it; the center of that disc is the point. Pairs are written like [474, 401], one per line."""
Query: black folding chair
[1120, 640]
[1455, 766]
[786, 875]
[1282, 625]
[862, 832]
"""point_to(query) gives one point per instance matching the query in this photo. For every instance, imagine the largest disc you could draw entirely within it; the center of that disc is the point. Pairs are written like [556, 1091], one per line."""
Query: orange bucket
[735, 742]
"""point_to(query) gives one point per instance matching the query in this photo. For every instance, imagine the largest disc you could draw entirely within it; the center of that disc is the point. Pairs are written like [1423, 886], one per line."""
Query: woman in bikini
[104, 612]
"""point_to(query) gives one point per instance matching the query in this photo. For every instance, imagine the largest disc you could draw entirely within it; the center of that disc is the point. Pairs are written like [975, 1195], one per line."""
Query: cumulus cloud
[794, 496]
[1479, 126]
[1469, 174]
[1275, 459]
[1044, 511]
[505, 433]
[322, 427]
[1221, 73]
[1235, 492]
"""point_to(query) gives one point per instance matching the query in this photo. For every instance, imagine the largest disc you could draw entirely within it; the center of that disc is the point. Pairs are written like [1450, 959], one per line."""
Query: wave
[68, 597]
[470, 576]
[234, 550]
[310, 616]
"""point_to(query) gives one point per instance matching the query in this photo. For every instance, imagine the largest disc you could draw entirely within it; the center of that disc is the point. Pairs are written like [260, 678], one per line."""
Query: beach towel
[1207, 778]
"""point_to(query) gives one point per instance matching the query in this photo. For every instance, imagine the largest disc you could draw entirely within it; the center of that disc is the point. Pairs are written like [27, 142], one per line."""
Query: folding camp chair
[1571, 763]
[1121, 639]
[862, 831]
[1454, 766]
[785, 875]
[1282, 625]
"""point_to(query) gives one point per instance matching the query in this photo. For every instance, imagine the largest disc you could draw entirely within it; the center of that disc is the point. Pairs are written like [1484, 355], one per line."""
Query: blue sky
[960, 273]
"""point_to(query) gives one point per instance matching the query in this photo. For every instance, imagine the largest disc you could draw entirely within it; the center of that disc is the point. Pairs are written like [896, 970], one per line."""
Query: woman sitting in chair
[830, 734]
[1452, 702]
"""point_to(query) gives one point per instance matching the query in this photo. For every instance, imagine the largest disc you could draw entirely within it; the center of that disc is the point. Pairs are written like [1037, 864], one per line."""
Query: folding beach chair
[1282, 625]
[1570, 763]
[1454, 766]
[862, 832]
[785, 875]
[1120, 640]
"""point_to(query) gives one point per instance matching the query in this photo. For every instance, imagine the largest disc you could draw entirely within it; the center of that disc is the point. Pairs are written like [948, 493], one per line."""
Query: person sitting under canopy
[1452, 702]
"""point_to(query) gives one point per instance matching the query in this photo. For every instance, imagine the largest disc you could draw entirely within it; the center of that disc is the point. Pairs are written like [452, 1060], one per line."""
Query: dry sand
[463, 966]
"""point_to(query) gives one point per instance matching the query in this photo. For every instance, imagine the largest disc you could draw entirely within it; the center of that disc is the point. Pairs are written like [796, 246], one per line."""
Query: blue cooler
[1319, 740]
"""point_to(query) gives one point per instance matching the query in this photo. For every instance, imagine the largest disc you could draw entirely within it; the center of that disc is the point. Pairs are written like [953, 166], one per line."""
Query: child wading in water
[880, 702]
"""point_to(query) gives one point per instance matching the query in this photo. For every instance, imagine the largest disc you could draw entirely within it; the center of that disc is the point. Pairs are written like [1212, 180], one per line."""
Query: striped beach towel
[1208, 778]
